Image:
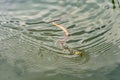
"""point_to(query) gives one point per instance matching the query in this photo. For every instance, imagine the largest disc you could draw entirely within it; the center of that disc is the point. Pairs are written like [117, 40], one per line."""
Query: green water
[29, 43]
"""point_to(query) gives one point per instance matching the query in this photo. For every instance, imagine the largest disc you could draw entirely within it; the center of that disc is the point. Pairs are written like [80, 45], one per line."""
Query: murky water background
[29, 44]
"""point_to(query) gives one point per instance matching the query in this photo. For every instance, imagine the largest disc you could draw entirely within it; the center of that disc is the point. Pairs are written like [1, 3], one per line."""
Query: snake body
[67, 34]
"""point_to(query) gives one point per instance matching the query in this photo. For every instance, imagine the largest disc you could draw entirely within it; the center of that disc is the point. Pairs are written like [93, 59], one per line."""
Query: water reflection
[114, 3]
[29, 42]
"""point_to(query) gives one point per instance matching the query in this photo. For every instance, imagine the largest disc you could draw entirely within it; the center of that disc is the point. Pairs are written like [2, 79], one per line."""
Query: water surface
[29, 43]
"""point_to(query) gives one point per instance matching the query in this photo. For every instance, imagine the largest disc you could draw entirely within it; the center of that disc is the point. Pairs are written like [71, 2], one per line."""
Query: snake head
[78, 53]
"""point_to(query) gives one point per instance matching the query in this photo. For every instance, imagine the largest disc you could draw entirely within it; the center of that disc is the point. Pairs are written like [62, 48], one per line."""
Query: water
[29, 43]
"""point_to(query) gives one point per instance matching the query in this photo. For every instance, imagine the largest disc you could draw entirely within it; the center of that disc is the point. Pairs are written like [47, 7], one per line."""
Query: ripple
[87, 21]
[93, 26]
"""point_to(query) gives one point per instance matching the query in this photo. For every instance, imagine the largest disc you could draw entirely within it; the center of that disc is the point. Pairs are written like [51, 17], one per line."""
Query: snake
[63, 41]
